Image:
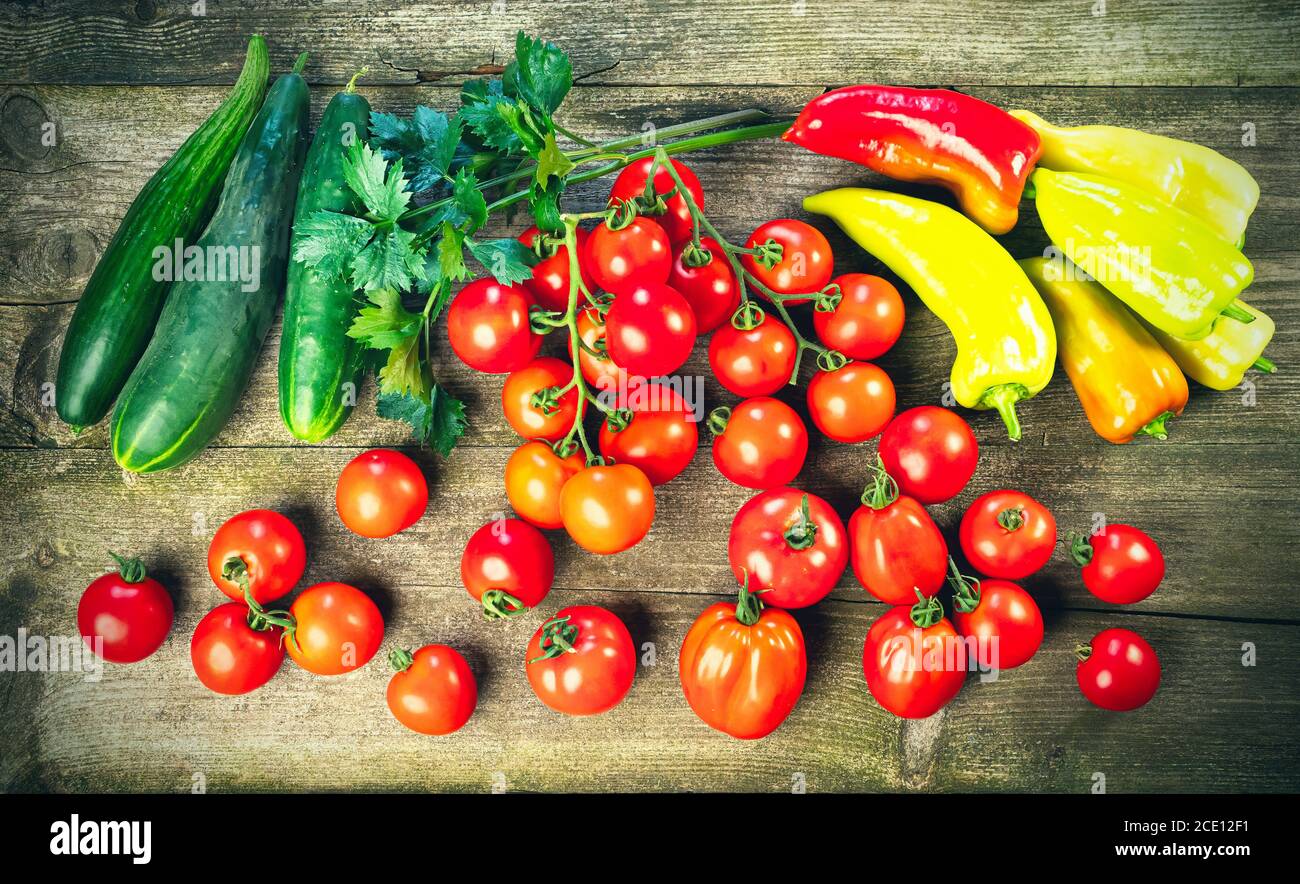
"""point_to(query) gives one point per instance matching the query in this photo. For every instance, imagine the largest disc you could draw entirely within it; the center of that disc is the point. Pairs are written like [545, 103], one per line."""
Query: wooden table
[125, 82]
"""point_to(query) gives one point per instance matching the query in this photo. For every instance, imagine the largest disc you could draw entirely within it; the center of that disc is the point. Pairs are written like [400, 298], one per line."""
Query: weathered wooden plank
[675, 42]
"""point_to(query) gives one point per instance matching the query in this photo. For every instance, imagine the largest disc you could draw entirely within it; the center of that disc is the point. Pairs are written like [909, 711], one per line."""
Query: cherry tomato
[676, 222]
[338, 629]
[635, 255]
[761, 443]
[535, 474]
[931, 452]
[271, 551]
[866, 322]
[1121, 565]
[913, 670]
[125, 615]
[508, 566]
[607, 509]
[710, 289]
[661, 437]
[548, 419]
[550, 283]
[852, 403]
[1007, 534]
[896, 548]
[806, 262]
[433, 690]
[601, 373]
[581, 661]
[757, 362]
[1002, 618]
[488, 327]
[229, 656]
[790, 545]
[743, 667]
[1118, 670]
[381, 492]
[650, 330]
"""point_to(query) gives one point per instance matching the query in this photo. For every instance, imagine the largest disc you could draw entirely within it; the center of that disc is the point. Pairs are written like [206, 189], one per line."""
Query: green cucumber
[320, 366]
[190, 379]
[119, 308]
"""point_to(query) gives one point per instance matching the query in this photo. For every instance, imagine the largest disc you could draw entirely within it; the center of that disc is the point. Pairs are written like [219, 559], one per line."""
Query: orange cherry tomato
[338, 629]
[661, 437]
[535, 474]
[380, 493]
[607, 509]
[433, 690]
[853, 403]
[549, 421]
[601, 373]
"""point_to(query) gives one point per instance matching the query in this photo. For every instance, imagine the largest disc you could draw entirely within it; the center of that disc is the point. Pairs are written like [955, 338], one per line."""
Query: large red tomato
[338, 629]
[433, 690]
[710, 288]
[1121, 565]
[852, 403]
[622, 258]
[757, 362]
[229, 656]
[508, 566]
[529, 402]
[761, 443]
[897, 550]
[259, 548]
[607, 509]
[931, 452]
[581, 661]
[550, 283]
[1118, 670]
[676, 222]
[913, 660]
[805, 263]
[867, 320]
[380, 493]
[125, 615]
[660, 438]
[789, 545]
[1001, 616]
[488, 327]
[1007, 534]
[649, 330]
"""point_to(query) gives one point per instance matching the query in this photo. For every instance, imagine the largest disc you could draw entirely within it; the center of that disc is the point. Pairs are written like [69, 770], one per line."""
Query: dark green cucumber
[320, 366]
[120, 305]
[196, 368]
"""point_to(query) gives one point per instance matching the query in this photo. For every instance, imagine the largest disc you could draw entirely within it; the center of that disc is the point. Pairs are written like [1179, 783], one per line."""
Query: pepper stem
[132, 570]
[1156, 428]
[802, 534]
[1003, 398]
[1238, 312]
[1263, 364]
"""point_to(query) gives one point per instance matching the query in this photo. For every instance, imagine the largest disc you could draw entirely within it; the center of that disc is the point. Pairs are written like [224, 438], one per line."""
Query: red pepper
[978, 151]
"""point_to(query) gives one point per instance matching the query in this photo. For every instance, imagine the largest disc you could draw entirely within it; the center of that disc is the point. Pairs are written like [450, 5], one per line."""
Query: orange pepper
[1127, 383]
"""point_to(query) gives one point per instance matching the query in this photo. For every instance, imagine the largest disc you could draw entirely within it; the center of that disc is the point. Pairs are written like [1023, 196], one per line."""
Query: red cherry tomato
[853, 403]
[743, 667]
[508, 566]
[1007, 534]
[541, 417]
[229, 656]
[931, 452]
[650, 330]
[1118, 670]
[757, 362]
[790, 545]
[607, 509]
[124, 616]
[600, 372]
[433, 690]
[806, 262]
[487, 325]
[1002, 618]
[866, 322]
[338, 629]
[550, 283]
[896, 548]
[1121, 565]
[913, 670]
[535, 474]
[271, 551]
[761, 443]
[581, 661]
[710, 289]
[676, 222]
[634, 255]
[661, 437]
[380, 493]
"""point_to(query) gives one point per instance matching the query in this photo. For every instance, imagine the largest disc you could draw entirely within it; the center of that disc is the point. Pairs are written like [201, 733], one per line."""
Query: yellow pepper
[1126, 383]
[1221, 360]
[1190, 176]
[1006, 347]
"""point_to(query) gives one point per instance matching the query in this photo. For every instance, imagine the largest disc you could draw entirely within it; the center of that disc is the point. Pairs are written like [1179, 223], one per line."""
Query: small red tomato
[535, 475]
[931, 452]
[581, 661]
[338, 629]
[529, 402]
[433, 690]
[488, 327]
[380, 493]
[757, 362]
[1002, 618]
[125, 615]
[600, 372]
[914, 661]
[634, 255]
[805, 263]
[1121, 564]
[761, 443]
[867, 320]
[789, 545]
[1007, 534]
[261, 548]
[676, 222]
[229, 656]
[508, 566]
[895, 547]
[550, 283]
[661, 435]
[1118, 670]
[709, 288]
[607, 509]
[853, 403]
[649, 330]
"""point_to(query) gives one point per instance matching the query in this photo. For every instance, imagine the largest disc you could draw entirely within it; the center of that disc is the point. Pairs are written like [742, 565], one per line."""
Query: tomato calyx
[619, 419]
[768, 253]
[1012, 518]
[235, 569]
[718, 420]
[623, 213]
[131, 570]
[501, 605]
[926, 612]
[883, 490]
[828, 298]
[749, 607]
[694, 254]
[1080, 549]
[831, 360]
[748, 316]
[547, 400]
[558, 636]
[965, 589]
[802, 533]
[400, 659]
[1083, 652]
